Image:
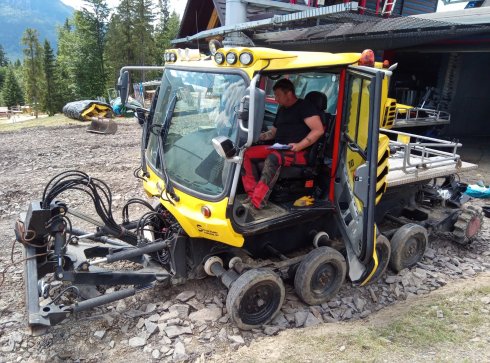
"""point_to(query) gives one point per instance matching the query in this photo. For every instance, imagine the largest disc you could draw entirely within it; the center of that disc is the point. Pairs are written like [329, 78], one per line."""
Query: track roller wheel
[408, 245]
[320, 275]
[255, 298]
[467, 225]
[383, 251]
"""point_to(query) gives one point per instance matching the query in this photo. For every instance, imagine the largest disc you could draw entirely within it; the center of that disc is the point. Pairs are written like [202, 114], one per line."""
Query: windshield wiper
[163, 135]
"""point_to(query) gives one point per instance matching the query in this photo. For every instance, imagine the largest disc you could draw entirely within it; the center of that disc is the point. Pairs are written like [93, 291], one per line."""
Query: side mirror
[224, 147]
[123, 87]
[361, 183]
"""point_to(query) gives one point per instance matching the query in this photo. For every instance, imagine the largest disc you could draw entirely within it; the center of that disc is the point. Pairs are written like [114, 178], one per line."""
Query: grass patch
[452, 327]
[56, 120]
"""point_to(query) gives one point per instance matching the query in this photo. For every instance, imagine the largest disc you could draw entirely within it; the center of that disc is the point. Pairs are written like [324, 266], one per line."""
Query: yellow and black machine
[324, 222]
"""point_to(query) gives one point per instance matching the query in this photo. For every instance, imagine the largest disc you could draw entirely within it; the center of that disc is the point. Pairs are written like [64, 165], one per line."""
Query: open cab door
[355, 168]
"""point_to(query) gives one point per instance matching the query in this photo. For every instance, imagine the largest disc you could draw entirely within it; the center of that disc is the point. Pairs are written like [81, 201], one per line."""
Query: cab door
[355, 169]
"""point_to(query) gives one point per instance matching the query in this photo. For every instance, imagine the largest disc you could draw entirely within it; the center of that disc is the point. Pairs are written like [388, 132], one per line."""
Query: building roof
[342, 27]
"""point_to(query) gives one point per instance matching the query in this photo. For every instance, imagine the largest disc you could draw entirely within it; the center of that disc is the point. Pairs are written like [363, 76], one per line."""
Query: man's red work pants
[259, 189]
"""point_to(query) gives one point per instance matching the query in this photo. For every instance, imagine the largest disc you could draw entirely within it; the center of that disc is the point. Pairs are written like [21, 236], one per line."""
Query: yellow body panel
[187, 211]
[273, 59]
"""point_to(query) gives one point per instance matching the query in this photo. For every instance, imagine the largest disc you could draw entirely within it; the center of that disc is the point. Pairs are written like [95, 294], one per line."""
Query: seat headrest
[319, 99]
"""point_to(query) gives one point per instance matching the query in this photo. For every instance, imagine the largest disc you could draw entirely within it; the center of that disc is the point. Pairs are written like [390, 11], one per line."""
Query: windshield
[205, 107]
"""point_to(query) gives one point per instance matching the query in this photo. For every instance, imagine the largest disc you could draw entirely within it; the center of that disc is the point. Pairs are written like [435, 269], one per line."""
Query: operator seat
[300, 180]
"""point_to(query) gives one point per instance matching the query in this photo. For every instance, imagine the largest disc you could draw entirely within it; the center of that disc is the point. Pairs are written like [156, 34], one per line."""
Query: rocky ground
[186, 323]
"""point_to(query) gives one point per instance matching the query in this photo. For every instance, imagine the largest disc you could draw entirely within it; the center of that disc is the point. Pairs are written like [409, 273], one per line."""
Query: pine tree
[4, 61]
[12, 94]
[49, 65]
[94, 32]
[130, 37]
[165, 33]
[66, 65]
[32, 68]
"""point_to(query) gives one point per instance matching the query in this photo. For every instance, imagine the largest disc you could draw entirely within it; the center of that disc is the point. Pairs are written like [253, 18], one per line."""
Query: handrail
[422, 153]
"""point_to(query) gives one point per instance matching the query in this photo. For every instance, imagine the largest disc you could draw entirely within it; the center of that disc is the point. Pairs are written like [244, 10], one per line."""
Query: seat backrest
[319, 100]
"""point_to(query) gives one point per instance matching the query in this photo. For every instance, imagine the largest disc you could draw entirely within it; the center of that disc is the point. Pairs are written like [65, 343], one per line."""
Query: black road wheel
[255, 298]
[320, 275]
[383, 251]
[408, 245]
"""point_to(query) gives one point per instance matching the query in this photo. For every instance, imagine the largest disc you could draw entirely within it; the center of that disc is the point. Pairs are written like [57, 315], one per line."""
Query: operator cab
[311, 181]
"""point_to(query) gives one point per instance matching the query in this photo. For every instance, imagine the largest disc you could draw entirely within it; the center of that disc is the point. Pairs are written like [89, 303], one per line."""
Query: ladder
[388, 7]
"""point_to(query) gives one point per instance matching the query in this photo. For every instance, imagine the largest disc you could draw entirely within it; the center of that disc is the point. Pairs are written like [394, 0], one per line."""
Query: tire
[320, 275]
[255, 298]
[408, 245]
[383, 251]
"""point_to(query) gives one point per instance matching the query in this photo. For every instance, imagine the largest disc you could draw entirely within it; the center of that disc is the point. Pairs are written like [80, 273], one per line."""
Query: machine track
[467, 225]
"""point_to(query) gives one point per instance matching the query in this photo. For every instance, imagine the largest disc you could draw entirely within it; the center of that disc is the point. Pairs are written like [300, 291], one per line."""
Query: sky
[177, 5]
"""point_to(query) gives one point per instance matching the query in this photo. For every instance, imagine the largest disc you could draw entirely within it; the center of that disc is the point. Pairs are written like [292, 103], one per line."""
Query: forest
[92, 46]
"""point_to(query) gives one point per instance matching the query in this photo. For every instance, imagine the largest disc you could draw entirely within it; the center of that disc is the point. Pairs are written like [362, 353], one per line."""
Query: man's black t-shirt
[290, 124]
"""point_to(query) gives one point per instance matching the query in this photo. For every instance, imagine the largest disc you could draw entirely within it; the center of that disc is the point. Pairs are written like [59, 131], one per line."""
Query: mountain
[17, 15]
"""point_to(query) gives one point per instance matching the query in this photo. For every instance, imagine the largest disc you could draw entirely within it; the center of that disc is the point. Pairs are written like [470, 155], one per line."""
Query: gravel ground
[186, 323]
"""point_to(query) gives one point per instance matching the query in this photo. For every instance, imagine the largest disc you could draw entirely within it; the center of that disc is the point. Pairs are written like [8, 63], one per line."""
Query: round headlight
[166, 57]
[173, 57]
[246, 58]
[214, 45]
[219, 58]
[231, 58]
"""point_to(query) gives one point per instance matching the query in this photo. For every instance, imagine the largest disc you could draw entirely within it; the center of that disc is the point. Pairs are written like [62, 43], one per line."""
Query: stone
[347, 314]
[132, 313]
[342, 348]
[311, 320]
[150, 308]
[300, 318]
[441, 282]
[196, 304]
[151, 327]
[373, 295]
[420, 273]
[365, 314]
[16, 337]
[121, 306]
[182, 309]
[328, 319]
[237, 339]
[175, 321]
[439, 314]
[391, 279]
[99, 334]
[271, 330]
[140, 323]
[206, 314]
[360, 303]
[179, 352]
[137, 342]
[112, 344]
[153, 318]
[453, 267]
[173, 331]
[155, 354]
[185, 295]
[280, 321]
[168, 316]
[430, 253]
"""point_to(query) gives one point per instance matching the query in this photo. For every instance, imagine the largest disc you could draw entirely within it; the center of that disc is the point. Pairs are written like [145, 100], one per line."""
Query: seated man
[298, 125]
